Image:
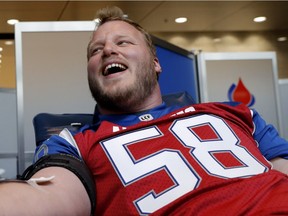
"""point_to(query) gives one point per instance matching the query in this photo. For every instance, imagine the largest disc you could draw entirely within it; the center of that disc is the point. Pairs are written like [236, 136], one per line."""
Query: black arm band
[71, 163]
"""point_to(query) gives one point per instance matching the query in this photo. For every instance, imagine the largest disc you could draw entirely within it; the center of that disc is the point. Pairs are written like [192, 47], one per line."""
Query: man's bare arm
[63, 195]
[280, 164]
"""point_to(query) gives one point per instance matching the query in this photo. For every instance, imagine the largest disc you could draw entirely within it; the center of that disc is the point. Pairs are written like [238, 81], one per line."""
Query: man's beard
[125, 99]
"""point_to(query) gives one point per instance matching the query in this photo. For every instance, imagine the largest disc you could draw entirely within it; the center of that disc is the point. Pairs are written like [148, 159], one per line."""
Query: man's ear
[157, 66]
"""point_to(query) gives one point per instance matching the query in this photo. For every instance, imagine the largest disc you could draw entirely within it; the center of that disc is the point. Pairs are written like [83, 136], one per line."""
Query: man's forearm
[20, 198]
[52, 197]
[280, 164]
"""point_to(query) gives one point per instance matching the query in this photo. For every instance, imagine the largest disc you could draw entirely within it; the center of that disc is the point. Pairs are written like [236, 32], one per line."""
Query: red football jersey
[199, 160]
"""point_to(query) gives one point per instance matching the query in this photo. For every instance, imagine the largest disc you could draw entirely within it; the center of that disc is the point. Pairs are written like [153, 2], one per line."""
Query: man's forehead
[120, 25]
[116, 30]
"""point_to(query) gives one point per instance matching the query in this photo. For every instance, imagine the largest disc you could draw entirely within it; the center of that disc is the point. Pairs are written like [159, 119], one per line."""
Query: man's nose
[109, 49]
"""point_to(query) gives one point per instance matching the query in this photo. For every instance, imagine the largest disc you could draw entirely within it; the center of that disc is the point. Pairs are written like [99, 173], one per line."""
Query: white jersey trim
[65, 134]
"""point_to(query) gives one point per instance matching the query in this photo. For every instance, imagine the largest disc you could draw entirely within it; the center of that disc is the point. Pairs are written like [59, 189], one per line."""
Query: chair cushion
[47, 124]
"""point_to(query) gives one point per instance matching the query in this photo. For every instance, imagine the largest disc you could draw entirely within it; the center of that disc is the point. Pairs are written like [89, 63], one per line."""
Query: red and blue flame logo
[239, 93]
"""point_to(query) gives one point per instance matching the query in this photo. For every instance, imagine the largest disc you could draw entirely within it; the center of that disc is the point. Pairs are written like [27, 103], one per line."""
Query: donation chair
[47, 124]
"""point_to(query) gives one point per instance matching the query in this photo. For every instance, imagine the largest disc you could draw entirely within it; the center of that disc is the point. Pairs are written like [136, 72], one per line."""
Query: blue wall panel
[178, 72]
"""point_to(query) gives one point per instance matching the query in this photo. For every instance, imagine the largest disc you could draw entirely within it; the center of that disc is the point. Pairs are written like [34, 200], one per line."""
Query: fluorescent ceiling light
[282, 39]
[12, 21]
[9, 42]
[181, 20]
[217, 40]
[259, 19]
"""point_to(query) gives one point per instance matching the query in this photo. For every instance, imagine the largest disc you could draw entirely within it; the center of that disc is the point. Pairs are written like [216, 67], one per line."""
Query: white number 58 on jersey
[173, 162]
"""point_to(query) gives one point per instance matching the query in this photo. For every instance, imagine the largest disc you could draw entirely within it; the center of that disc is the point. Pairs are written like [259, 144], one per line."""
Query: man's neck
[154, 100]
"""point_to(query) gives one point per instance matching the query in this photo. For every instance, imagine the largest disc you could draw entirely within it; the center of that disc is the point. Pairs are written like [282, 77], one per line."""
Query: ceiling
[154, 16]
[157, 16]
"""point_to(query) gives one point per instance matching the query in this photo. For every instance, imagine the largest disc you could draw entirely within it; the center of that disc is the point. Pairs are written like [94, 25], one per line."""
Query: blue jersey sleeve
[270, 143]
[63, 143]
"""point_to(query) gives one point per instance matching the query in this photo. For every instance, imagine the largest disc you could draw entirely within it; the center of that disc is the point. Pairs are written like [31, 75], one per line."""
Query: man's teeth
[115, 65]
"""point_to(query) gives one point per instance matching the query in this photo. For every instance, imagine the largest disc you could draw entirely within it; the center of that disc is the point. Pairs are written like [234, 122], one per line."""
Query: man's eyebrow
[123, 36]
[94, 42]
[101, 41]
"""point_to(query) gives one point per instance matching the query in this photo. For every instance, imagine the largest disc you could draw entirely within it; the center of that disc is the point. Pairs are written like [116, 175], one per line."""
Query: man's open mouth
[114, 68]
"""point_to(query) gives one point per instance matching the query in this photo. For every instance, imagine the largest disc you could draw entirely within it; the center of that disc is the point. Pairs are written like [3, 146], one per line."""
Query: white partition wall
[51, 75]
[254, 73]
[8, 133]
[283, 91]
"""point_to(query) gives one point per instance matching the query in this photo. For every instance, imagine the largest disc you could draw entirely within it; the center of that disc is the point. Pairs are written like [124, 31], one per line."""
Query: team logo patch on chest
[146, 117]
